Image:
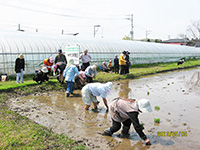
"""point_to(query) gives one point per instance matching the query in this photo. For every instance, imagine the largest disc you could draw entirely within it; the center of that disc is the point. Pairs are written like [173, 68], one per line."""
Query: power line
[60, 14]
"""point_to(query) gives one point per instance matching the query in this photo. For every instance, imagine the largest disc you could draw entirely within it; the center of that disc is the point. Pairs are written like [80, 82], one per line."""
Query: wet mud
[177, 94]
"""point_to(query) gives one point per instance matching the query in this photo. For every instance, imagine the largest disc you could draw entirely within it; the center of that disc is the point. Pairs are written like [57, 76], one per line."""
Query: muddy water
[176, 93]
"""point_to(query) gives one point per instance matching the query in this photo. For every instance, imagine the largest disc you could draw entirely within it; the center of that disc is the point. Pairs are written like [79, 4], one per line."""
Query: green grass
[140, 70]
[17, 132]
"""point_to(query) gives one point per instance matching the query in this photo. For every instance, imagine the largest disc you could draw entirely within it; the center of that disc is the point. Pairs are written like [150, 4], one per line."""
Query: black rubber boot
[125, 132]
[107, 132]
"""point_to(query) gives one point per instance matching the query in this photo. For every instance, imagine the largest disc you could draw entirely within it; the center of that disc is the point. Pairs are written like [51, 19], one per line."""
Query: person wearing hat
[116, 64]
[19, 67]
[92, 90]
[127, 62]
[60, 57]
[69, 73]
[105, 67]
[48, 63]
[126, 111]
[41, 76]
[122, 62]
[110, 65]
[86, 59]
[90, 73]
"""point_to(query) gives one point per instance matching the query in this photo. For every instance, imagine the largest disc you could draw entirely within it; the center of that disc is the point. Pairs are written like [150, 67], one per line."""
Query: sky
[155, 19]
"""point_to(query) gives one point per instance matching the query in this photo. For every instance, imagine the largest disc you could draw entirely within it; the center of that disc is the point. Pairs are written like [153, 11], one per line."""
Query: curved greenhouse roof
[36, 47]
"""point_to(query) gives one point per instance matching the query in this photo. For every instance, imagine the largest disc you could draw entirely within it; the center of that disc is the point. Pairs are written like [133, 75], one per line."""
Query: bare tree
[194, 29]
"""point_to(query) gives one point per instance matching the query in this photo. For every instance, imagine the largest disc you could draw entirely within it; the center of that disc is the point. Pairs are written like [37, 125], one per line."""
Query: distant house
[176, 41]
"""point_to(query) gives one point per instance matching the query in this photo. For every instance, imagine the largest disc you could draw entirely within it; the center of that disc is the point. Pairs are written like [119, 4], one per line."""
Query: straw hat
[21, 56]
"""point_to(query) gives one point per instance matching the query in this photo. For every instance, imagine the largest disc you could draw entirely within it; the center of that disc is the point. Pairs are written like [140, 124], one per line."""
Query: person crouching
[69, 74]
[126, 111]
[92, 90]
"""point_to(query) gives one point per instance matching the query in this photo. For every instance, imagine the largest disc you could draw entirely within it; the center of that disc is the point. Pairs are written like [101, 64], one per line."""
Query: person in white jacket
[92, 90]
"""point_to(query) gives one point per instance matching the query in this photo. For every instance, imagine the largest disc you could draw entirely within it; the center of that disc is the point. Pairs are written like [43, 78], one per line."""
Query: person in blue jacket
[69, 73]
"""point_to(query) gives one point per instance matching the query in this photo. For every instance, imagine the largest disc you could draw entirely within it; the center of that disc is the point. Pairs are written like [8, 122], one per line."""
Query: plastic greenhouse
[36, 47]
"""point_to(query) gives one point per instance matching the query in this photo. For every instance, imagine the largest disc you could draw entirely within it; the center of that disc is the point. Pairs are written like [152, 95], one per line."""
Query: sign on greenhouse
[72, 52]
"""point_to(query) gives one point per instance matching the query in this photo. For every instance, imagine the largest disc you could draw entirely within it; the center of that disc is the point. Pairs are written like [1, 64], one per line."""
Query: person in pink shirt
[126, 111]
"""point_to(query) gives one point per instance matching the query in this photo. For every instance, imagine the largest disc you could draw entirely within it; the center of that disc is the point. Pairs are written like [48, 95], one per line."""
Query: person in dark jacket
[60, 57]
[116, 64]
[19, 67]
[41, 76]
[127, 62]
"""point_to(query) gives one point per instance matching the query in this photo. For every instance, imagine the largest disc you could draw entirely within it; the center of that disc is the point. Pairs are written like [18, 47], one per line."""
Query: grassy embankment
[17, 132]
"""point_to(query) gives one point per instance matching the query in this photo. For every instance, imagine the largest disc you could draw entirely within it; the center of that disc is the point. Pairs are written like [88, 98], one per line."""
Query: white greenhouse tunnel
[36, 47]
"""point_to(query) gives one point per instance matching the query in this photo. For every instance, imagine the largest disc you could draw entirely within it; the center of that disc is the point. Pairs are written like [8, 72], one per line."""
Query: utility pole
[147, 33]
[19, 28]
[95, 30]
[131, 19]
[132, 27]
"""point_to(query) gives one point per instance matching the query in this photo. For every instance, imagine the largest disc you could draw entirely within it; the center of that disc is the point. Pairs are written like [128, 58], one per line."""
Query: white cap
[93, 67]
[44, 69]
[144, 105]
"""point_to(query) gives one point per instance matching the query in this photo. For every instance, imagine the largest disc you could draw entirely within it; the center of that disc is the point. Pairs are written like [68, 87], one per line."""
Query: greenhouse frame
[36, 47]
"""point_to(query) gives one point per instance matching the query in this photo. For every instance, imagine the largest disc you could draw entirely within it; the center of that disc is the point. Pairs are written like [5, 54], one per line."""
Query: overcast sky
[160, 19]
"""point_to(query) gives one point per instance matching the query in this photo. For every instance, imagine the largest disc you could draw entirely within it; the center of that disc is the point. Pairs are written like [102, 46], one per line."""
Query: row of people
[123, 62]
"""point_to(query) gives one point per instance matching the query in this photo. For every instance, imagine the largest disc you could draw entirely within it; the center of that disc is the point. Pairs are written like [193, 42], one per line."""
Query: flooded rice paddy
[176, 93]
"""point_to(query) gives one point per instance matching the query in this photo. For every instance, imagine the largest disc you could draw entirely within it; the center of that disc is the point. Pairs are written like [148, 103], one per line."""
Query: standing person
[122, 62]
[127, 62]
[60, 57]
[48, 63]
[90, 70]
[116, 64]
[69, 73]
[86, 59]
[92, 90]
[19, 67]
[126, 111]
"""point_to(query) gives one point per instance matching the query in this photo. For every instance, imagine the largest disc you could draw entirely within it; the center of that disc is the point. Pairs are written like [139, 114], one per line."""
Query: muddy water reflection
[177, 95]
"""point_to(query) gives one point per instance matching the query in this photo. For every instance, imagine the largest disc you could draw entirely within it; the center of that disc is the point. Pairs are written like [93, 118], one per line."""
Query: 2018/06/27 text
[172, 133]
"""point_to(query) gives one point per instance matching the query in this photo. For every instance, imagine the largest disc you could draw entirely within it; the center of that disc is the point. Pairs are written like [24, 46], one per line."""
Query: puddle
[177, 94]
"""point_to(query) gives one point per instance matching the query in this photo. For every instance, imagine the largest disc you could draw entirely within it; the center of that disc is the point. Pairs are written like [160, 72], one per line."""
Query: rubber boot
[125, 132]
[107, 132]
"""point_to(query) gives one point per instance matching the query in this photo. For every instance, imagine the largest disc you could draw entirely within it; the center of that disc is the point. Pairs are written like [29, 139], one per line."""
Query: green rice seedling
[157, 120]
[157, 108]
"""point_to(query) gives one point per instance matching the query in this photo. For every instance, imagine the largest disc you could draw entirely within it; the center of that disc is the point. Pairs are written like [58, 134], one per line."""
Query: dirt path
[176, 93]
